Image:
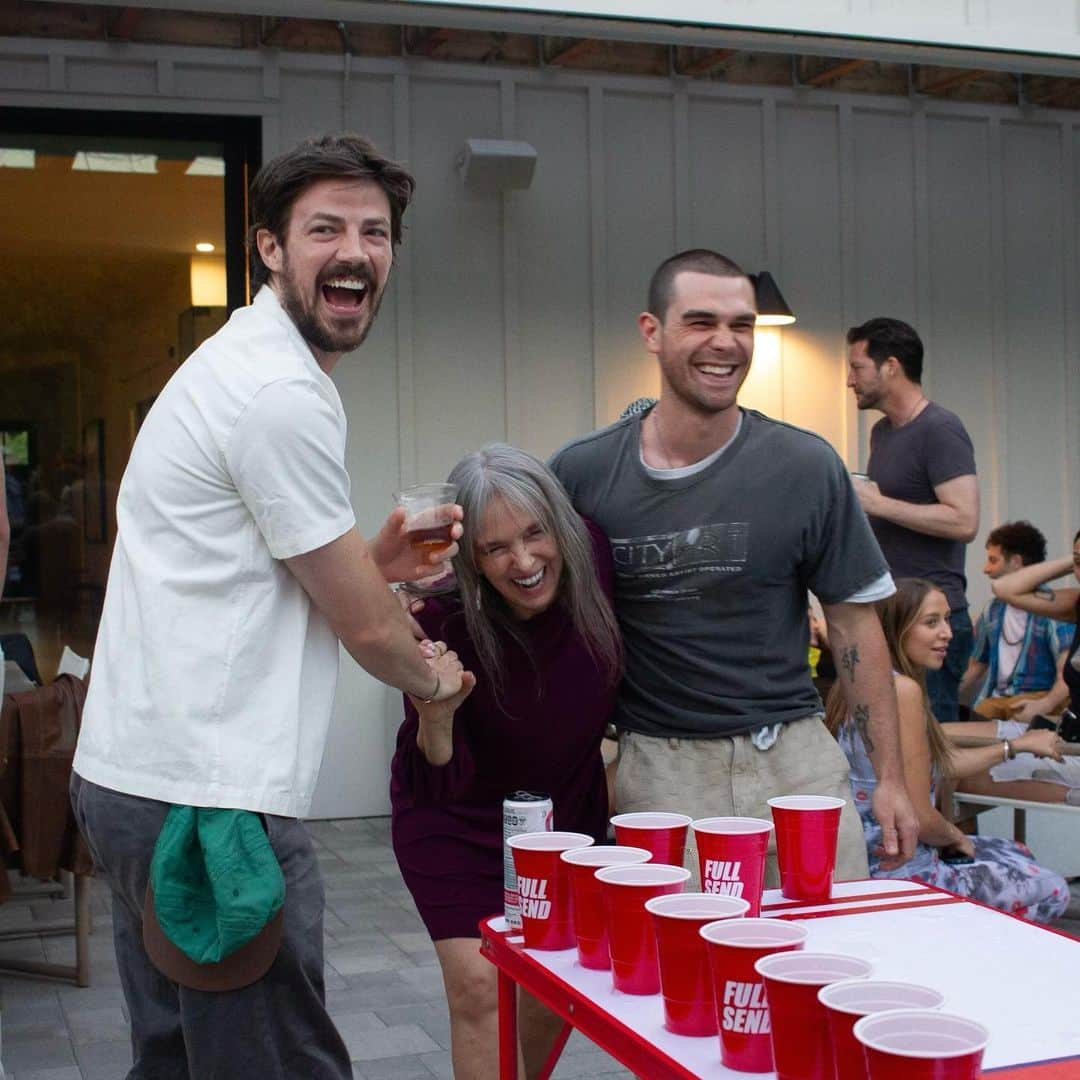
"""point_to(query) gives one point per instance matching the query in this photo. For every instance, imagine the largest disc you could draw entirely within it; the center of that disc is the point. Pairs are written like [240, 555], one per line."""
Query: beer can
[523, 812]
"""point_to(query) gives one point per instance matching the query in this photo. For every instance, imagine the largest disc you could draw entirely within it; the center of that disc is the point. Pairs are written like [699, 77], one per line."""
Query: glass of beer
[429, 518]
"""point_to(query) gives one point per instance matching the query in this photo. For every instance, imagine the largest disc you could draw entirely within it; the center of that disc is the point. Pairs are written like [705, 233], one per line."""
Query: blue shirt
[1036, 666]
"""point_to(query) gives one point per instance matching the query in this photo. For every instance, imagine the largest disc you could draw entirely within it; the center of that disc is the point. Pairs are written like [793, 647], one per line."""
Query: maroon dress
[542, 734]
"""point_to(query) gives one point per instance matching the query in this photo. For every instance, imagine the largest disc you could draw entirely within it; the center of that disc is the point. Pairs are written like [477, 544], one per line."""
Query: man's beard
[317, 335]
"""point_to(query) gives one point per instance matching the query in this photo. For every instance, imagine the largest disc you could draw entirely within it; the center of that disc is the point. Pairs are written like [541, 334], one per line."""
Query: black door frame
[241, 137]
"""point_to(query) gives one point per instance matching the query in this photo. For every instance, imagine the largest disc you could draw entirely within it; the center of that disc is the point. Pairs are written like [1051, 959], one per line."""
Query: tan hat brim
[247, 965]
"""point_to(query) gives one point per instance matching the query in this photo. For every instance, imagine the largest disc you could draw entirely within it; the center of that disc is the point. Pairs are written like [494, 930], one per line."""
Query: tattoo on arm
[861, 715]
[848, 659]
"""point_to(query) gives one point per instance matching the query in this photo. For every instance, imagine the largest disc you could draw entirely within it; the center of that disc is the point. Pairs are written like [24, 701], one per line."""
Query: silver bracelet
[1010, 753]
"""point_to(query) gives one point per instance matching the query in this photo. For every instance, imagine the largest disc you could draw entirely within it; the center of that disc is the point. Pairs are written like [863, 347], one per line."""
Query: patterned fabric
[1036, 667]
[1004, 874]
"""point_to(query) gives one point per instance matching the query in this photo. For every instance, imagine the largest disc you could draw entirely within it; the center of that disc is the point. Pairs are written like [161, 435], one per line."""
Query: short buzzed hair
[696, 260]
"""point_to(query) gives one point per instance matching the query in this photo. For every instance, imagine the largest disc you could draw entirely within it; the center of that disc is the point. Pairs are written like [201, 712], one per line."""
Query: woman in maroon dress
[532, 621]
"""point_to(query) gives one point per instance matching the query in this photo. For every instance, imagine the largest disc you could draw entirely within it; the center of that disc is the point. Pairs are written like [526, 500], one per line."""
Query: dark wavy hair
[891, 337]
[1019, 538]
[280, 183]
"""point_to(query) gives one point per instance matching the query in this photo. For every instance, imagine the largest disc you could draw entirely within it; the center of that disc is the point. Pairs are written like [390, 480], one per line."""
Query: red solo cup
[631, 938]
[731, 857]
[806, 828]
[685, 981]
[845, 1002]
[544, 886]
[662, 834]
[742, 1012]
[800, 1031]
[590, 926]
[918, 1044]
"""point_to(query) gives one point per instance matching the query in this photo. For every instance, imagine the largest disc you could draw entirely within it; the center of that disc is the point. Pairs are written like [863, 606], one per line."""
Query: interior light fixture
[204, 165]
[16, 159]
[100, 161]
[204, 246]
[772, 308]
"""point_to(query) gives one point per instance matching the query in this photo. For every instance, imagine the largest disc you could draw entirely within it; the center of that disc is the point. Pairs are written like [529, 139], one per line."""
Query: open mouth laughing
[345, 295]
[531, 582]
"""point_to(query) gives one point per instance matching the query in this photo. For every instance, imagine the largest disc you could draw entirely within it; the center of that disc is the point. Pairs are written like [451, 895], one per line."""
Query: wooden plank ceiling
[32, 18]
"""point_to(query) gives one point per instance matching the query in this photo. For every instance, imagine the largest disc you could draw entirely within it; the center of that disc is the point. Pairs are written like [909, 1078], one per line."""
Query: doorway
[125, 241]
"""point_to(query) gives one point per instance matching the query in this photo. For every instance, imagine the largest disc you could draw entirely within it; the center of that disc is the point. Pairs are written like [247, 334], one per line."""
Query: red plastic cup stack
[846, 1002]
[802, 1048]
[661, 833]
[631, 938]
[731, 857]
[590, 924]
[919, 1044]
[685, 980]
[806, 831]
[544, 887]
[742, 1011]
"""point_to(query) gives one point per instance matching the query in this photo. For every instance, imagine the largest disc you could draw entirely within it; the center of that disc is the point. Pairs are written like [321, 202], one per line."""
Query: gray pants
[277, 1028]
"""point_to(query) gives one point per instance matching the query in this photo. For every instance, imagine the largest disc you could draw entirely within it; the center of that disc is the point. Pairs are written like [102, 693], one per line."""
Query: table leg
[556, 1052]
[508, 1037]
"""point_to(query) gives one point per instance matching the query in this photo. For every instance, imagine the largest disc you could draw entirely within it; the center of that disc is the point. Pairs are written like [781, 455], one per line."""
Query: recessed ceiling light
[204, 246]
[206, 166]
[99, 161]
[16, 159]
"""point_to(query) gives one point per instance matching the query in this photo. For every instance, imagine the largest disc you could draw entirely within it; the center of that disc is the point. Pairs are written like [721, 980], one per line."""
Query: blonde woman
[998, 872]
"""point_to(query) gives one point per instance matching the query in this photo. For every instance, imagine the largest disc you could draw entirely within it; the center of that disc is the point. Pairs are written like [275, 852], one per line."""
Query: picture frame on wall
[94, 525]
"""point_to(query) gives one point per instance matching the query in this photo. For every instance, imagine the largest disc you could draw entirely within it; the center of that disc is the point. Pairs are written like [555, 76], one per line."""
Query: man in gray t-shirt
[922, 496]
[720, 519]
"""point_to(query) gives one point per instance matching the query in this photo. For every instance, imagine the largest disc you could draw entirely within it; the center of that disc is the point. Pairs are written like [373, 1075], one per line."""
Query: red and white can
[523, 812]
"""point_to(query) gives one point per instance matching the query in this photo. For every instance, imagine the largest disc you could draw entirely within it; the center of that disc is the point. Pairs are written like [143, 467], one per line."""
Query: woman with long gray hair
[532, 620]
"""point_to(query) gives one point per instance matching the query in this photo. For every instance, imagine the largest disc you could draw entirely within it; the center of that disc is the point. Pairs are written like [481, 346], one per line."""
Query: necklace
[911, 415]
[1005, 637]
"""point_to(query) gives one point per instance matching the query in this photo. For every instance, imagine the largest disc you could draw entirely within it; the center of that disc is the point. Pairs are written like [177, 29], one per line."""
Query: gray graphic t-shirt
[712, 571]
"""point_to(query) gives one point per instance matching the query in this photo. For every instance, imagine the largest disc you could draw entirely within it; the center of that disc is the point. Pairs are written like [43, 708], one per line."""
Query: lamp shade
[772, 308]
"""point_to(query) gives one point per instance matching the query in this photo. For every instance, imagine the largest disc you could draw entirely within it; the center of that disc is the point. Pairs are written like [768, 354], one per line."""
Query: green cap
[216, 881]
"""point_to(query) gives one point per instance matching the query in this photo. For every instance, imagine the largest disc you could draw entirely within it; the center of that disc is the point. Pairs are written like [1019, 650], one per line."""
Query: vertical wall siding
[513, 316]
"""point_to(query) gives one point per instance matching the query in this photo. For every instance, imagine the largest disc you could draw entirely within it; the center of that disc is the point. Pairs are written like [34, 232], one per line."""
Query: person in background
[5, 541]
[1018, 657]
[237, 571]
[533, 620]
[995, 871]
[720, 520]
[1029, 589]
[922, 496]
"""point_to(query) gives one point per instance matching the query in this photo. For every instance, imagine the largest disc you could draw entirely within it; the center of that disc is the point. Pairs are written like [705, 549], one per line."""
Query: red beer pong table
[1018, 979]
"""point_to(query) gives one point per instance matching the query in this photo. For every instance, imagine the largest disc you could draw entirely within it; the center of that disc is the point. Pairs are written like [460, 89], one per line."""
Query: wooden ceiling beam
[707, 62]
[836, 71]
[951, 82]
[428, 42]
[123, 25]
[581, 49]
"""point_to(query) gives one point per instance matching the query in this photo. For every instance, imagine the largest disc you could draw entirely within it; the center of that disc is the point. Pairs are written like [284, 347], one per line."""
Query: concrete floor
[383, 983]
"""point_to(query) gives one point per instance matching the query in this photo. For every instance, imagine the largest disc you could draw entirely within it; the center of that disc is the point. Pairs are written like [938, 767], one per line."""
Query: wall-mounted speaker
[496, 164]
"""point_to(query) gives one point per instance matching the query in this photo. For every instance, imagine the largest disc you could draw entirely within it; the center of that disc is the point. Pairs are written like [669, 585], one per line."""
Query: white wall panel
[553, 389]
[455, 248]
[961, 362]
[24, 72]
[238, 83]
[809, 266]
[111, 77]
[1034, 393]
[639, 220]
[727, 179]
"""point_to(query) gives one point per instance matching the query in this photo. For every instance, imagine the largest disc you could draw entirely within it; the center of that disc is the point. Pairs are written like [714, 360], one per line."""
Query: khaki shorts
[731, 777]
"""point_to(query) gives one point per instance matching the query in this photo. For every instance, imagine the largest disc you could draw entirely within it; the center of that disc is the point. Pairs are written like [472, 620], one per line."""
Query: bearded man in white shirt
[237, 570]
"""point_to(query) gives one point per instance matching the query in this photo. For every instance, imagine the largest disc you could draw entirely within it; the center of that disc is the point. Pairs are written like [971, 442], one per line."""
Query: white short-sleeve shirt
[213, 675]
